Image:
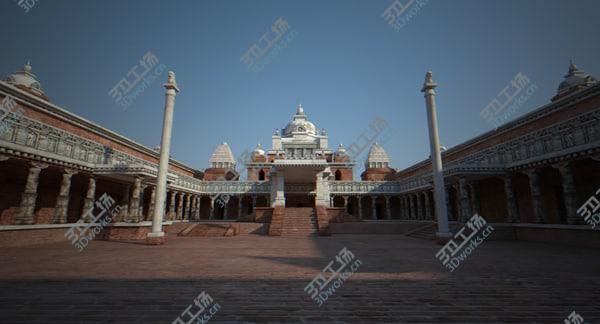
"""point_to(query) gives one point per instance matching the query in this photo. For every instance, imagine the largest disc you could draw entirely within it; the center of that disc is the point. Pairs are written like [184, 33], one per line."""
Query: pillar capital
[4, 157]
[39, 165]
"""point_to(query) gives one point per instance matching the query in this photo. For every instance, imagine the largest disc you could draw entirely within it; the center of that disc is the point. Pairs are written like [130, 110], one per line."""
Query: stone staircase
[208, 230]
[299, 221]
[426, 232]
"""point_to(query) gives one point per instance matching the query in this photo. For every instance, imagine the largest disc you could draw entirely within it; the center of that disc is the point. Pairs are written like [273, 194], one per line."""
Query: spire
[299, 110]
[429, 84]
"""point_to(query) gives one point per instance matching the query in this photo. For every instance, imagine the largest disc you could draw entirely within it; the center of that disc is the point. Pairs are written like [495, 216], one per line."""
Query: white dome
[299, 125]
[377, 158]
[222, 157]
[26, 79]
[258, 150]
[575, 79]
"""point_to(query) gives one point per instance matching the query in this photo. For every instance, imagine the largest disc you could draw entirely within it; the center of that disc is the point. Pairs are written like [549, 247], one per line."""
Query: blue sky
[346, 65]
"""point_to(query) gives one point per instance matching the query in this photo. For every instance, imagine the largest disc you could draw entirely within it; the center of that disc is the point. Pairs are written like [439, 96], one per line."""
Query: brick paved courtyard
[262, 279]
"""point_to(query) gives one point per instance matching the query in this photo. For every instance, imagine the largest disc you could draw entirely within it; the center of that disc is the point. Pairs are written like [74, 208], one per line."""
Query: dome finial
[299, 110]
[27, 67]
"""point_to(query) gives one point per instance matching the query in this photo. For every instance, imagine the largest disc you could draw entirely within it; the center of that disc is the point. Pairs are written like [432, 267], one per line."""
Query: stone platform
[262, 279]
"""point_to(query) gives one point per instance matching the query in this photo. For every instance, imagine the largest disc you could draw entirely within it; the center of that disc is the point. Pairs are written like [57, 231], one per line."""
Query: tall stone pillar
[569, 193]
[151, 205]
[413, 209]
[134, 203]
[157, 236]
[240, 207]
[374, 207]
[331, 201]
[180, 205]
[172, 206]
[88, 201]
[27, 207]
[62, 201]
[188, 205]
[388, 212]
[345, 203]
[465, 203]
[473, 189]
[359, 200]
[253, 203]
[278, 190]
[428, 215]
[443, 234]
[511, 203]
[536, 196]
[405, 208]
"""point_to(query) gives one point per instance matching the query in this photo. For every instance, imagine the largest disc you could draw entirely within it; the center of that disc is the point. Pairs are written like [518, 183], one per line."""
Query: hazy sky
[345, 64]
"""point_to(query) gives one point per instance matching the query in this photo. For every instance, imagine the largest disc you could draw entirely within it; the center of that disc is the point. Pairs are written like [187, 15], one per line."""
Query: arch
[261, 175]
[338, 175]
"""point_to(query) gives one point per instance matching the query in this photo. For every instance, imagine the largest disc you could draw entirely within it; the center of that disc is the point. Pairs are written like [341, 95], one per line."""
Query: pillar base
[158, 238]
[442, 238]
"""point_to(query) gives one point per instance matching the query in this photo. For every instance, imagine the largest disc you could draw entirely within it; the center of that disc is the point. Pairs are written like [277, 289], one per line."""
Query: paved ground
[262, 279]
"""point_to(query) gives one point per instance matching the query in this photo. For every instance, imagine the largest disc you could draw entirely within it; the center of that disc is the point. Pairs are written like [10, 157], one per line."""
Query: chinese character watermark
[207, 308]
[27, 5]
[273, 41]
[82, 233]
[398, 14]
[574, 318]
[511, 97]
[480, 230]
[318, 289]
[137, 80]
[364, 140]
[589, 210]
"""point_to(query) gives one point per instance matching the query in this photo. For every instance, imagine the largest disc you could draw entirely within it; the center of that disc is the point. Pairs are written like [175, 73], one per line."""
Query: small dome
[575, 80]
[341, 150]
[377, 158]
[299, 124]
[222, 157]
[258, 150]
[26, 80]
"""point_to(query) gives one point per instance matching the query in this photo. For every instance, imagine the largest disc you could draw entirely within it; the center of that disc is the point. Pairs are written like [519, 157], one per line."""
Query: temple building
[529, 176]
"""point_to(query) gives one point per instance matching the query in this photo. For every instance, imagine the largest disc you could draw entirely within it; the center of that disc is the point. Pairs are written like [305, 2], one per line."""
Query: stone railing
[234, 187]
[377, 187]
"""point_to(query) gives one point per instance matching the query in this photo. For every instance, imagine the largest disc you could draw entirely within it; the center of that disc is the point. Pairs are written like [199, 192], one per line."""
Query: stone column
[443, 234]
[141, 217]
[419, 206]
[569, 193]
[180, 206]
[359, 200]
[225, 206]
[473, 189]
[413, 210]
[536, 196]
[62, 201]
[373, 207]
[511, 203]
[388, 212]
[345, 203]
[428, 215]
[157, 236]
[197, 210]
[240, 207]
[134, 204]
[465, 203]
[405, 208]
[152, 203]
[212, 208]
[88, 202]
[125, 201]
[253, 203]
[172, 207]
[188, 205]
[27, 207]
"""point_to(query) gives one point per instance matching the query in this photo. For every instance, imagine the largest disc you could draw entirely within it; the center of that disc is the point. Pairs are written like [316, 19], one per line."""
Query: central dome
[299, 125]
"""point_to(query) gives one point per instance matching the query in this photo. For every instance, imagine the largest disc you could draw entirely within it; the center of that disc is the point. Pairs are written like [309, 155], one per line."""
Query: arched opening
[261, 175]
[338, 175]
